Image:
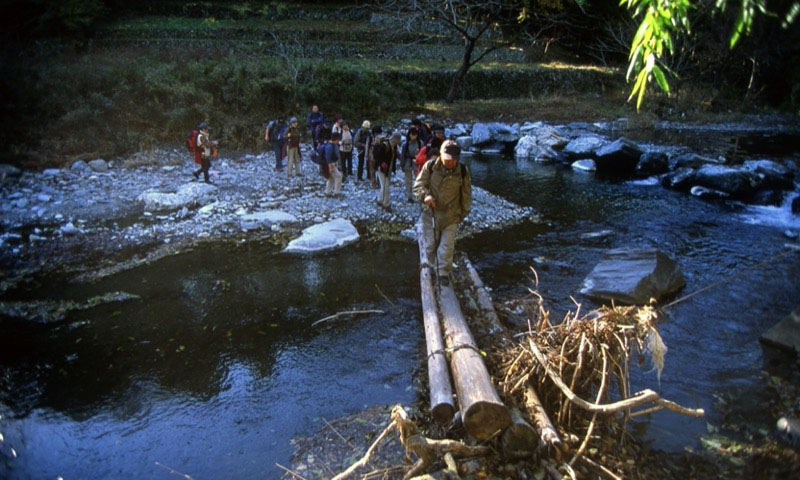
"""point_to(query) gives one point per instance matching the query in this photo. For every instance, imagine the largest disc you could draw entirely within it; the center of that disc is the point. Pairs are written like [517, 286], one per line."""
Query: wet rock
[465, 142]
[680, 179]
[785, 334]
[652, 163]
[583, 146]
[586, 165]
[773, 174]
[493, 149]
[458, 130]
[481, 134]
[80, 166]
[693, 160]
[736, 182]
[619, 157]
[188, 195]
[9, 171]
[324, 236]
[98, 165]
[505, 133]
[633, 276]
[52, 172]
[769, 197]
[267, 218]
[707, 193]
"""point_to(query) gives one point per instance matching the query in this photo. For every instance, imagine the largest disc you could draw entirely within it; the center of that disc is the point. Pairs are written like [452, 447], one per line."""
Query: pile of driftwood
[564, 387]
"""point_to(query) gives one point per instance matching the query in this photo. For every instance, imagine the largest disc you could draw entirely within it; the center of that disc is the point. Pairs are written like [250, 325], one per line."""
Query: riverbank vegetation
[91, 78]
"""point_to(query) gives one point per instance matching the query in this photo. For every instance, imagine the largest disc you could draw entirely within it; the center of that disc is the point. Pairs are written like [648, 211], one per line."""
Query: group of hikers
[433, 174]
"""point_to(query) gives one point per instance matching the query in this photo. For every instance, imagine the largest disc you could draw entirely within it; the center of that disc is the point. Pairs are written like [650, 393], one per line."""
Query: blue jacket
[331, 153]
[314, 119]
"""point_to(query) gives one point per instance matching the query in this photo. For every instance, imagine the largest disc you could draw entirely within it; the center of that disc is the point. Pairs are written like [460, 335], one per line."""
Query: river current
[218, 365]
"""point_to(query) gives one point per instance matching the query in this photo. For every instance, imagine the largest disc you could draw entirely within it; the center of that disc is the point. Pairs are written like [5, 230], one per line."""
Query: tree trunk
[441, 393]
[482, 411]
[455, 85]
[520, 440]
[548, 437]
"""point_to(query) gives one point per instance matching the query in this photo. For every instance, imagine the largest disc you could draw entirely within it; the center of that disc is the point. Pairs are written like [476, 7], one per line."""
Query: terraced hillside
[143, 80]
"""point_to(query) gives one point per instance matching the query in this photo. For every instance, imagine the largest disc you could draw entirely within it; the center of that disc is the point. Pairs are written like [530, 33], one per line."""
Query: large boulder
[774, 175]
[505, 133]
[619, 157]
[481, 134]
[680, 179]
[652, 163]
[786, 333]
[693, 160]
[458, 130]
[98, 165]
[465, 142]
[633, 276]
[80, 166]
[733, 181]
[324, 236]
[188, 195]
[251, 221]
[583, 146]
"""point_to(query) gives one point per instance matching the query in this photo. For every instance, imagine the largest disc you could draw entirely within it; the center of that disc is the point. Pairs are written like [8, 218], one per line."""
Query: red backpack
[422, 158]
[191, 145]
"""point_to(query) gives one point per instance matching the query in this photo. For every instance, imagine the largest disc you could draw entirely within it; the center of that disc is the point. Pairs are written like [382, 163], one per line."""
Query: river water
[218, 365]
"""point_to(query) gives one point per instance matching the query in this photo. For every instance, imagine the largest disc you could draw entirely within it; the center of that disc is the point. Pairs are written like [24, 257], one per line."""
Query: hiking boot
[196, 175]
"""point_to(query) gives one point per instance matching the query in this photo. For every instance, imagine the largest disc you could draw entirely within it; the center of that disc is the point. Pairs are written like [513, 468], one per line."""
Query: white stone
[586, 165]
[325, 236]
[255, 220]
[188, 195]
[80, 166]
[43, 197]
[51, 171]
[70, 229]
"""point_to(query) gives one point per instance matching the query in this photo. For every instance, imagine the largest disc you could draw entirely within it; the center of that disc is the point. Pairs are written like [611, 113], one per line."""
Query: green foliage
[663, 20]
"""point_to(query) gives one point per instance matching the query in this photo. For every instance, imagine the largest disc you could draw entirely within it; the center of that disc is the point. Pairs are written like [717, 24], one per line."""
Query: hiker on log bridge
[447, 193]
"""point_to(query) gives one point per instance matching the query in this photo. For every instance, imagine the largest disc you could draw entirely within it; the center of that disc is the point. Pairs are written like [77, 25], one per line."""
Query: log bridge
[448, 336]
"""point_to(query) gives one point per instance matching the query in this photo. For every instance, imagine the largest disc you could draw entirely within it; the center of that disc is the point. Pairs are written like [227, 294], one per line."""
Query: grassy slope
[144, 81]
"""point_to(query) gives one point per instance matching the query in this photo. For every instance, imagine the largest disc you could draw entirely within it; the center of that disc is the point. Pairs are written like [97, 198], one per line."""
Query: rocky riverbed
[94, 219]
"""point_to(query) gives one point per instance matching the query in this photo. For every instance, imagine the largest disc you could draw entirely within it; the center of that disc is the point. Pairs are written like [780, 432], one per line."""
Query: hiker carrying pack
[191, 145]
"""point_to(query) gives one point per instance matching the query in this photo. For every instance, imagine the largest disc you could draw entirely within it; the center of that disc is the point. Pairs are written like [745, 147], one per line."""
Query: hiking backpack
[191, 140]
[318, 154]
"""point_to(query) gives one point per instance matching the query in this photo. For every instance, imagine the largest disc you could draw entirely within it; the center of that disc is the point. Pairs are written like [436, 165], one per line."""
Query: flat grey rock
[188, 195]
[98, 165]
[586, 165]
[786, 333]
[323, 237]
[633, 276]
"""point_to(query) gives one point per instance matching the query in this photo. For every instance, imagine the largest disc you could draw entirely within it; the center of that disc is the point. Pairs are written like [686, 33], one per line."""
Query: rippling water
[218, 366]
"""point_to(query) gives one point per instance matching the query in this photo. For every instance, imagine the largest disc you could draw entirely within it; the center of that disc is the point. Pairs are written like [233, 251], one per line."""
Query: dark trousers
[361, 164]
[346, 163]
[205, 164]
[278, 159]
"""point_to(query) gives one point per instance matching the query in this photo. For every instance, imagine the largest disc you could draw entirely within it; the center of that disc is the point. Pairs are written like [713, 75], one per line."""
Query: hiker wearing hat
[445, 188]
[408, 154]
[363, 142]
[206, 146]
[293, 147]
[438, 132]
[345, 149]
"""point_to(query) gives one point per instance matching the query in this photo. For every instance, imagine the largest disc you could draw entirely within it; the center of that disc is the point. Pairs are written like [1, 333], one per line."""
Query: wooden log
[520, 440]
[482, 412]
[484, 299]
[441, 391]
[548, 437]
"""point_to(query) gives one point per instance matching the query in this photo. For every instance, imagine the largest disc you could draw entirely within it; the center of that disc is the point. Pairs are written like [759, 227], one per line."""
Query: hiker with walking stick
[444, 187]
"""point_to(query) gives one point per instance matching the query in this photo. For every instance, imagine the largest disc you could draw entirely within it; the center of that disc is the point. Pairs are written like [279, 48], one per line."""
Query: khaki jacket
[451, 190]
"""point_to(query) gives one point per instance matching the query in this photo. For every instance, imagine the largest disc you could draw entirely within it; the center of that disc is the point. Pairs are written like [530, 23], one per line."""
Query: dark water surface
[215, 369]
